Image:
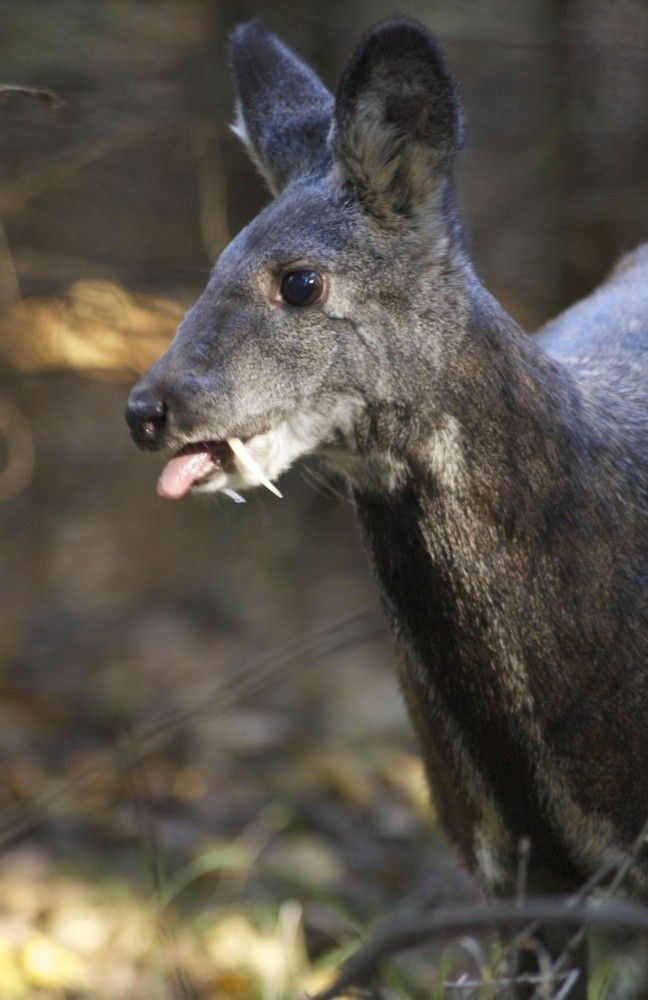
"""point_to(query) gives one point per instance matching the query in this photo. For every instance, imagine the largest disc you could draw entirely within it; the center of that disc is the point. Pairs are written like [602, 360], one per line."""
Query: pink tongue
[181, 472]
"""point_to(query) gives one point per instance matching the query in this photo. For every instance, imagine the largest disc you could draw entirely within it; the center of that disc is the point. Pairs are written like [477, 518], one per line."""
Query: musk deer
[499, 478]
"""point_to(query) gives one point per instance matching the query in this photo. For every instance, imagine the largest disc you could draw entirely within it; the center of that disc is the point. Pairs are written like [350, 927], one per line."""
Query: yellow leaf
[306, 857]
[234, 943]
[97, 327]
[47, 965]
[406, 772]
[342, 775]
[81, 927]
[230, 984]
[318, 980]
[12, 982]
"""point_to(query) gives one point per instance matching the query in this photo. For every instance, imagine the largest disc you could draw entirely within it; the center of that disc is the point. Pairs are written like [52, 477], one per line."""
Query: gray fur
[500, 479]
[283, 110]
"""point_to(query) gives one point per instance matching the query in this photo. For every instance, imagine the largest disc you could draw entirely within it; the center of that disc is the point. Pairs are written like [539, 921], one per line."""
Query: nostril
[146, 417]
[150, 429]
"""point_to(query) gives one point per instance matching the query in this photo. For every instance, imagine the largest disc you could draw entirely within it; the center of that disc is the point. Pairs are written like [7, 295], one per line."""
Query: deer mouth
[193, 466]
[224, 465]
[231, 464]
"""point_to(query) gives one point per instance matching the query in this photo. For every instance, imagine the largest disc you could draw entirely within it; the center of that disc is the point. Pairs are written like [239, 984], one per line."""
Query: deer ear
[283, 111]
[398, 120]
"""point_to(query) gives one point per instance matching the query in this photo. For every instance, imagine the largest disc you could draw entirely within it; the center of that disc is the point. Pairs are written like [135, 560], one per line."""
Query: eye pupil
[301, 288]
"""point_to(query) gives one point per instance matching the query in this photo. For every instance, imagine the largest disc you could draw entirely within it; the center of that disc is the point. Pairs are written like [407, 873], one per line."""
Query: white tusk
[246, 459]
[233, 495]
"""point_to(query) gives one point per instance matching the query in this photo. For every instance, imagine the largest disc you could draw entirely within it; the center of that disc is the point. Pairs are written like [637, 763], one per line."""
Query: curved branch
[409, 932]
[19, 443]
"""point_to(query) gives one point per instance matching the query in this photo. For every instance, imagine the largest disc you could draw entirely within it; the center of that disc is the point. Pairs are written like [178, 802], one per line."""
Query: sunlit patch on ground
[267, 913]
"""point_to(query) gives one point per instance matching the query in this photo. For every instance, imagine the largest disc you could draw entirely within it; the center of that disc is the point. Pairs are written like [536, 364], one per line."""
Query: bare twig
[524, 853]
[211, 190]
[9, 283]
[15, 196]
[42, 94]
[523, 979]
[154, 857]
[604, 871]
[570, 981]
[71, 161]
[149, 737]
[399, 935]
[615, 884]
[19, 443]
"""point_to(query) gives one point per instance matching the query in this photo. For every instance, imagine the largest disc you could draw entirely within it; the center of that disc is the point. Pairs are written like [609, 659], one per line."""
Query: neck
[476, 408]
[493, 553]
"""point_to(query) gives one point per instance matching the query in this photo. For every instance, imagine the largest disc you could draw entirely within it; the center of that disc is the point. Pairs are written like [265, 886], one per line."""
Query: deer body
[500, 479]
[510, 559]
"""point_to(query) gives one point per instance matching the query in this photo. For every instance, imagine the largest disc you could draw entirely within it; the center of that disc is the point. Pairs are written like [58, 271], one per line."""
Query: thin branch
[149, 737]
[524, 979]
[154, 856]
[19, 444]
[212, 193]
[9, 282]
[52, 173]
[606, 869]
[400, 935]
[570, 982]
[615, 884]
[524, 854]
[42, 94]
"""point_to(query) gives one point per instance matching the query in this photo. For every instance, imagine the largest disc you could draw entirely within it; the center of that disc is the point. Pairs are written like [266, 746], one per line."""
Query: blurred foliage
[97, 328]
[246, 850]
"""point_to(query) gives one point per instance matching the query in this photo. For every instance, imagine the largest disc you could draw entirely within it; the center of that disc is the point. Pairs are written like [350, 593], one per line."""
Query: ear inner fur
[398, 120]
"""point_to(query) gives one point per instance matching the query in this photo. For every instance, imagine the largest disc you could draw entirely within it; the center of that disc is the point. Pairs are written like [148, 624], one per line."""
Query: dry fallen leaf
[340, 775]
[12, 981]
[306, 857]
[49, 966]
[229, 984]
[275, 957]
[85, 929]
[406, 772]
[97, 328]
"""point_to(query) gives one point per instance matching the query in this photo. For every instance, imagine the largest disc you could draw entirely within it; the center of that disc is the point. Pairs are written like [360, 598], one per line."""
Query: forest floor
[115, 883]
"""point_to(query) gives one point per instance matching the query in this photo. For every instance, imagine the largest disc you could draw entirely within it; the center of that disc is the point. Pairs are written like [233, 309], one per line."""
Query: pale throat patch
[275, 451]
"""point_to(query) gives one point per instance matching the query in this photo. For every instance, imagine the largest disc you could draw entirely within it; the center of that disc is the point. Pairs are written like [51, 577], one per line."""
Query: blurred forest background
[208, 785]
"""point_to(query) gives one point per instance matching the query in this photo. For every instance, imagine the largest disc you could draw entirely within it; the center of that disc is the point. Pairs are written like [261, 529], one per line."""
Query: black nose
[146, 417]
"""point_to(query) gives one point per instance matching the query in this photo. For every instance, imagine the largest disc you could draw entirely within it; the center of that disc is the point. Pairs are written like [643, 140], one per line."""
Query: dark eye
[301, 288]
